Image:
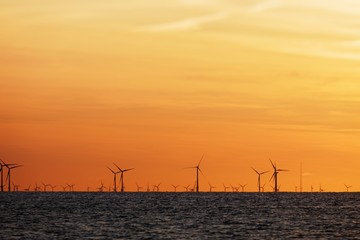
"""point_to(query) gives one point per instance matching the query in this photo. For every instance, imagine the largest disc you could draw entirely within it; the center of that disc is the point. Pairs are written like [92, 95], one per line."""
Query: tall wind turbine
[7, 165]
[197, 173]
[114, 177]
[138, 188]
[225, 187]
[9, 174]
[259, 177]
[274, 176]
[122, 176]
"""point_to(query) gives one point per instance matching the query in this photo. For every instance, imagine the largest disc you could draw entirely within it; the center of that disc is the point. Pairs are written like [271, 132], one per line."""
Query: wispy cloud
[184, 24]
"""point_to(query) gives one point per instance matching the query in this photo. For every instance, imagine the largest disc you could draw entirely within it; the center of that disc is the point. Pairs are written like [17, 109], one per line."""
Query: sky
[154, 85]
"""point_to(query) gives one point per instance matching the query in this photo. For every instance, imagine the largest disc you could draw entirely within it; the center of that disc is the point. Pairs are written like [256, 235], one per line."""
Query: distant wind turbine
[175, 187]
[243, 187]
[156, 188]
[138, 188]
[122, 176]
[225, 187]
[186, 188]
[197, 167]
[115, 173]
[347, 187]
[211, 187]
[275, 174]
[259, 177]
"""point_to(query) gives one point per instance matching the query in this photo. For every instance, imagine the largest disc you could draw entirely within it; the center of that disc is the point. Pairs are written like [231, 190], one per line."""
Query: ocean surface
[81, 215]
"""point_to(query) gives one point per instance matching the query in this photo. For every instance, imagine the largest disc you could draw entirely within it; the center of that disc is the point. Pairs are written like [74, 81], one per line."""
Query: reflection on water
[179, 215]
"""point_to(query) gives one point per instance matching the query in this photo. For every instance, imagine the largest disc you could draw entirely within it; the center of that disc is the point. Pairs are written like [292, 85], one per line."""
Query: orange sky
[154, 85]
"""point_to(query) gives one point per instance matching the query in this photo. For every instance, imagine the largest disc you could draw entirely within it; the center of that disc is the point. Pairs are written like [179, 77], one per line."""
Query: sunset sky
[153, 85]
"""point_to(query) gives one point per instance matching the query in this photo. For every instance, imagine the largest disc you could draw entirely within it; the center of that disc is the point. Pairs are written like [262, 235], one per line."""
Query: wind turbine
[186, 188]
[157, 187]
[138, 187]
[234, 189]
[197, 173]
[347, 187]
[45, 185]
[27, 189]
[122, 176]
[114, 177]
[259, 176]
[243, 187]
[64, 188]
[274, 176]
[175, 187]
[53, 187]
[101, 188]
[15, 187]
[9, 174]
[9, 166]
[211, 187]
[71, 187]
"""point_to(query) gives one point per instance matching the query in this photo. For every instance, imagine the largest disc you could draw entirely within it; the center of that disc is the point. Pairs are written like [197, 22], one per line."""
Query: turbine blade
[255, 170]
[129, 169]
[117, 167]
[201, 171]
[200, 160]
[273, 165]
[272, 176]
[281, 170]
[264, 172]
[111, 170]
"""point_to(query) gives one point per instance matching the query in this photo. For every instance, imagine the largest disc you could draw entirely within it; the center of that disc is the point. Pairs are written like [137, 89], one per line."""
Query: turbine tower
[259, 176]
[197, 173]
[274, 176]
[122, 176]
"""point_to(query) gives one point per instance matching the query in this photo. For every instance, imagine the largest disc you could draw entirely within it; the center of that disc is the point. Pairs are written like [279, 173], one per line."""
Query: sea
[183, 215]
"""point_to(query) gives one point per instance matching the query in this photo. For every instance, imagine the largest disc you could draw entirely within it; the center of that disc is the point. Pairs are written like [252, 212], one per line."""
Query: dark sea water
[179, 215]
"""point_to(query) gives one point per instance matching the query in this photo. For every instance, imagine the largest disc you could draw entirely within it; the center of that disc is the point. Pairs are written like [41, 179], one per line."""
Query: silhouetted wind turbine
[9, 166]
[27, 189]
[37, 188]
[114, 177]
[243, 187]
[53, 187]
[197, 173]
[225, 187]
[138, 187]
[347, 187]
[45, 185]
[186, 188]
[101, 188]
[274, 176]
[259, 176]
[15, 187]
[211, 187]
[122, 176]
[64, 188]
[156, 188]
[175, 187]
[234, 189]
[9, 174]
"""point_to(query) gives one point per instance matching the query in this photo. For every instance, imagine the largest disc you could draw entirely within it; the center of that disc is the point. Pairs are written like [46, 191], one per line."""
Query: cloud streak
[184, 24]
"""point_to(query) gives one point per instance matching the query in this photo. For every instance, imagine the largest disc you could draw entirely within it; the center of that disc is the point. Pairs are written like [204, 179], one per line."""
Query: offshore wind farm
[179, 119]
